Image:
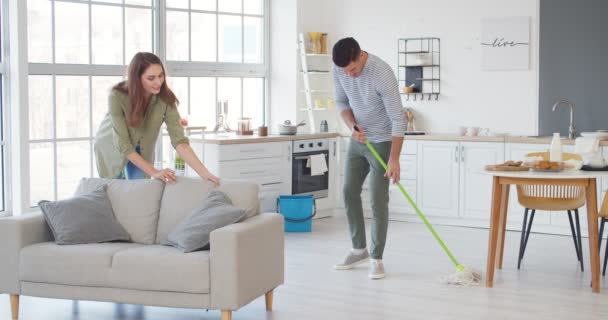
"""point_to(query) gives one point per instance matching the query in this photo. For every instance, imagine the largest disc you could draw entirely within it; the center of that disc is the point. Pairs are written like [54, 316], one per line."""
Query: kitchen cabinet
[268, 164]
[450, 182]
[475, 187]
[438, 174]
[398, 205]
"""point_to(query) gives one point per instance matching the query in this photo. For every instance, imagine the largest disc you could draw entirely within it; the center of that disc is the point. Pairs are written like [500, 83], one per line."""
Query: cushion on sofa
[136, 204]
[161, 268]
[85, 218]
[117, 265]
[78, 265]
[179, 199]
[215, 211]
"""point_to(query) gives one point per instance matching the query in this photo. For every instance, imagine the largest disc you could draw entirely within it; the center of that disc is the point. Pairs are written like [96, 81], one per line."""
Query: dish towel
[317, 164]
[583, 145]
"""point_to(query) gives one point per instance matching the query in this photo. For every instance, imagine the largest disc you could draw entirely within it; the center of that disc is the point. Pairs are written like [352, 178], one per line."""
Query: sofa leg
[269, 300]
[15, 306]
[226, 314]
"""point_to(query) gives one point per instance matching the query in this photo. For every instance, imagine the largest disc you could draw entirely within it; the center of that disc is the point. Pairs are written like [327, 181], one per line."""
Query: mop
[464, 276]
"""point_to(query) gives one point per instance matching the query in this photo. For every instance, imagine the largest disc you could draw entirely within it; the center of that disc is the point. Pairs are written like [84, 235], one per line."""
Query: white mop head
[465, 277]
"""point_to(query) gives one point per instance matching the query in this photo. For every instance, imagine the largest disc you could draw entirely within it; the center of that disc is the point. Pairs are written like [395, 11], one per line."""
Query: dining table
[501, 182]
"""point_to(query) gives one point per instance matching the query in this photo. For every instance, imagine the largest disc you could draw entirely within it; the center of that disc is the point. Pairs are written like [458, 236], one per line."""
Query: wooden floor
[549, 285]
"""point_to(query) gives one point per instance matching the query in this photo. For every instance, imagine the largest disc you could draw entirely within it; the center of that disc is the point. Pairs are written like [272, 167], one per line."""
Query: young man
[367, 97]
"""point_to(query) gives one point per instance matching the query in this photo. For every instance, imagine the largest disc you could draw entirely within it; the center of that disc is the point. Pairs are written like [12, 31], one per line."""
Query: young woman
[125, 141]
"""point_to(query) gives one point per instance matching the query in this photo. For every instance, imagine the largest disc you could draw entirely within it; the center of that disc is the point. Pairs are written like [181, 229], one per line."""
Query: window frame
[215, 70]
[89, 70]
[5, 203]
[219, 69]
[158, 45]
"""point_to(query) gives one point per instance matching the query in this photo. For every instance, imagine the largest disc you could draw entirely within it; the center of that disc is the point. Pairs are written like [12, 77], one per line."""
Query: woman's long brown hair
[133, 88]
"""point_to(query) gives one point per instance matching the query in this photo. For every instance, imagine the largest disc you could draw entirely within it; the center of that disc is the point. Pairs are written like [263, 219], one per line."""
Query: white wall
[283, 61]
[504, 101]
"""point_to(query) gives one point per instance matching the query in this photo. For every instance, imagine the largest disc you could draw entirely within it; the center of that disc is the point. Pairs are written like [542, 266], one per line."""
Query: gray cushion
[86, 218]
[179, 199]
[136, 204]
[216, 211]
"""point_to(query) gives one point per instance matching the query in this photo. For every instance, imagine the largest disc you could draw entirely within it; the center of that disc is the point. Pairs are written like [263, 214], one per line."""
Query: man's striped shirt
[373, 97]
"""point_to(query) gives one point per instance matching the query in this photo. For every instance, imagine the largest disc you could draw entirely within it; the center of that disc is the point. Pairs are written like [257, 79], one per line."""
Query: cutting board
[497, 167]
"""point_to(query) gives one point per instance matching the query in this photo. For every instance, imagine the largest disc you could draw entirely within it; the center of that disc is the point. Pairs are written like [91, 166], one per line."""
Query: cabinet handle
[462, 154]
[252, 172]
[456, 154]
[335, 149]
[251, 150]
[288, 152]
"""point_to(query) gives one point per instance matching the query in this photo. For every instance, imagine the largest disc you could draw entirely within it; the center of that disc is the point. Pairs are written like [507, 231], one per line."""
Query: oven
[302, 182]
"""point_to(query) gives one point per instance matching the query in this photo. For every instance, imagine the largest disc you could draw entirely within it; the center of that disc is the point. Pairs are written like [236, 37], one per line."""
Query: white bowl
[599, 135]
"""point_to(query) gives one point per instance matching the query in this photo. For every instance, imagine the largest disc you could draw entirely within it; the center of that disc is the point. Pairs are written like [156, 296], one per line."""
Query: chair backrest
[604, 209]
[565, 156]
[551, 197]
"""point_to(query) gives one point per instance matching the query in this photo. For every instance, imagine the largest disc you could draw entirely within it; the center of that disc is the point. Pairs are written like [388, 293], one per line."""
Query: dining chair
[551, 198]
[603, 215]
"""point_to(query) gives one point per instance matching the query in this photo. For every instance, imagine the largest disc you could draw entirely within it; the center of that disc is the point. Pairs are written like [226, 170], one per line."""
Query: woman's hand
[212, 178]
[166, 175]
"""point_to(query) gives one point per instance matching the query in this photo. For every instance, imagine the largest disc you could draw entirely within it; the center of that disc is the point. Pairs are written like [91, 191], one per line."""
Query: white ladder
[307, 89]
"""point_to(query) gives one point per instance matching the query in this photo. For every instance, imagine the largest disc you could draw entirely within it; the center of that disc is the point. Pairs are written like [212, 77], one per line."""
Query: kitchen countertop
[506, 139]
[232, 138]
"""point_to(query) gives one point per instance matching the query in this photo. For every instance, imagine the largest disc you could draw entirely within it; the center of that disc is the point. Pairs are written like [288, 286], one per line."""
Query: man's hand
[358, 134]
[394, 171]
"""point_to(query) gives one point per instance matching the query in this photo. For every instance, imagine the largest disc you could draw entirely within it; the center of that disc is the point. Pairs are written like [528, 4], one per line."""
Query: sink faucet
[571, 130]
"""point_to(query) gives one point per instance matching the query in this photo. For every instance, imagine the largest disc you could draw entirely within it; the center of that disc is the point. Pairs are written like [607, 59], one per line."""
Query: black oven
[302, 182]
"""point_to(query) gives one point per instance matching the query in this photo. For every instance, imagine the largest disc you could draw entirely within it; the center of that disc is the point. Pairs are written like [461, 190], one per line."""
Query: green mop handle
[409, 199]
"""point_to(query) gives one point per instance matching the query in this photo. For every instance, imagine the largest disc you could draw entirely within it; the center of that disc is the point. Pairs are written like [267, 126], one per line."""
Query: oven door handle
[306, 157]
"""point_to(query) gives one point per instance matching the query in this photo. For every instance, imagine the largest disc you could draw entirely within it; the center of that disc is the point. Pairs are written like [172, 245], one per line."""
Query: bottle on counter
[324, 126]
[555, 151]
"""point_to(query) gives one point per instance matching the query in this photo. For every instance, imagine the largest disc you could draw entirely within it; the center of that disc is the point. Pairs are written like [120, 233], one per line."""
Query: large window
[77, 49]
[216, 51]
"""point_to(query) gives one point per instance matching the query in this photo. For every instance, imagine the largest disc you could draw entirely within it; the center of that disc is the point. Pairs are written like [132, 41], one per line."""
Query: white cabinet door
[398, 205]
[476, 187]
[268, 195]
[516, 152]
[437, 179]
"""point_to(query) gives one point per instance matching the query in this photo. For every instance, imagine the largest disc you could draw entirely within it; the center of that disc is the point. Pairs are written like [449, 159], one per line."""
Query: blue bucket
[297, 211]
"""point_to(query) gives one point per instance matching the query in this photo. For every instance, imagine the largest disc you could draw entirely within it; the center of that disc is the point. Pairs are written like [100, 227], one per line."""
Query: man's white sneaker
[376, 270]
[351, 260]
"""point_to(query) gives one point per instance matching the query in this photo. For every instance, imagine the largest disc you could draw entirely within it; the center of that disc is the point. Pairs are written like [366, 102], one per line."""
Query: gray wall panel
[573, 64]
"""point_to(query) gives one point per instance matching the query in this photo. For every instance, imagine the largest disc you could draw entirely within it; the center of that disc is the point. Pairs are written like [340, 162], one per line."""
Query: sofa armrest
[16, 233]
[247, 260]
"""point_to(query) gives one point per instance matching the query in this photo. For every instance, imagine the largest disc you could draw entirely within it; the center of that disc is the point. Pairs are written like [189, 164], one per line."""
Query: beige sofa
[245, 260]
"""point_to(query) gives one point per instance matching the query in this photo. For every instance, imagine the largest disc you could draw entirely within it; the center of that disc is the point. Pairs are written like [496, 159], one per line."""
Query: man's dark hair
[345, 51]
